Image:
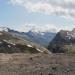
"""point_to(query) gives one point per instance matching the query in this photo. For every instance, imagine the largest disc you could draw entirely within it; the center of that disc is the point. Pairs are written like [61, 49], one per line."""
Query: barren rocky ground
[37, 64]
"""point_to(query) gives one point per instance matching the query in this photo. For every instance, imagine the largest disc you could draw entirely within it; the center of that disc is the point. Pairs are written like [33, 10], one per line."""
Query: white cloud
[69, 1]
[43, 28]
[16, 1]
[38, 28]
[61, 8]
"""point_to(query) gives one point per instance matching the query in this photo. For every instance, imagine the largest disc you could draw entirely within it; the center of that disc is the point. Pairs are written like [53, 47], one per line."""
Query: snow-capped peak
[4, 29]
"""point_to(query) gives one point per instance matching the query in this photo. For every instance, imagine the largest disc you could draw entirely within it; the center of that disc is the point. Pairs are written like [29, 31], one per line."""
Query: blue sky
[17, 14]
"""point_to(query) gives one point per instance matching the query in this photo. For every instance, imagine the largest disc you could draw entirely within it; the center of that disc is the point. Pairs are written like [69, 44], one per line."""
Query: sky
[40, 14]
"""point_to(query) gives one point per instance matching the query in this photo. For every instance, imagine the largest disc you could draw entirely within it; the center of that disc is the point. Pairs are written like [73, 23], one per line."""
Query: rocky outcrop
[64, 41]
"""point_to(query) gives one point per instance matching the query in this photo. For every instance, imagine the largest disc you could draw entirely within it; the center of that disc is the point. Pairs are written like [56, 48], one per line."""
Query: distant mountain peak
[4, 29]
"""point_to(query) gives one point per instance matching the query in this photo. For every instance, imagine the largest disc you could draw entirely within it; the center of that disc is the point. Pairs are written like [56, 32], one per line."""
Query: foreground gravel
[37, 64]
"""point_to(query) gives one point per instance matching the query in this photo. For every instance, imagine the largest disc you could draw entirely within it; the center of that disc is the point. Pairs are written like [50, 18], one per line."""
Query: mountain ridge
[11, 43]
[64, 41]
[42, 38]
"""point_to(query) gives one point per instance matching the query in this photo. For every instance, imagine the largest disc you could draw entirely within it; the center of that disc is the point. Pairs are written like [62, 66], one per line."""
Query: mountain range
[41, 38]
[14, 42]
[60, 42]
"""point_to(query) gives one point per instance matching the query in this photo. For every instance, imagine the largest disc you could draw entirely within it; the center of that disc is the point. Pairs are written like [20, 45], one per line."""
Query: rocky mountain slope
[64, 41]
[11, 43]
